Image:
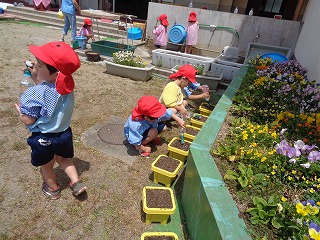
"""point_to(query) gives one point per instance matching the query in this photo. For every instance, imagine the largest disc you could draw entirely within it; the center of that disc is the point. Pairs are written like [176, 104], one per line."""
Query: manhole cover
[112, 134]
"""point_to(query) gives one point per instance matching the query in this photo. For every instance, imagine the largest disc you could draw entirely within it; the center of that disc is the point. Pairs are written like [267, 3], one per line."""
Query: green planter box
[108, 48]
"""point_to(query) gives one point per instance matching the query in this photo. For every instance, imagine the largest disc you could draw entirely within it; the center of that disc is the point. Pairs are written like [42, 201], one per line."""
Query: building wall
[307, 50]
[282, 33]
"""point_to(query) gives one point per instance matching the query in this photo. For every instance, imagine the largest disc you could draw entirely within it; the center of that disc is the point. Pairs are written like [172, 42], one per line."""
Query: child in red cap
[160, 32]
[86, 30]
[146, 122]
[172, 96]
[46, 110]
[192, 32]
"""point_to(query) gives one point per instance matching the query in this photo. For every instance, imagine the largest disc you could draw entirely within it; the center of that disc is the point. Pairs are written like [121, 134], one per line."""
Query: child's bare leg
[152, 134]
[49, 175]
[68, 166]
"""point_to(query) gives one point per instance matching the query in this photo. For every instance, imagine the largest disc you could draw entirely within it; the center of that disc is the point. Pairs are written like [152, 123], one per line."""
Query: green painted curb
[209, 209]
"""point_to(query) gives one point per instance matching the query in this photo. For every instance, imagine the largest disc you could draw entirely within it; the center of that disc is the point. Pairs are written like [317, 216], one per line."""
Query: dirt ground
[111, 209]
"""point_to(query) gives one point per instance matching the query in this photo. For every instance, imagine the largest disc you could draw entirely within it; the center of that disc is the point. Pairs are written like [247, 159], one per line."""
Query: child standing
[145, 123]
[160, 32]
[172, 95]
[192, 32]
[86, 30]
[46, 110]
[68, 7]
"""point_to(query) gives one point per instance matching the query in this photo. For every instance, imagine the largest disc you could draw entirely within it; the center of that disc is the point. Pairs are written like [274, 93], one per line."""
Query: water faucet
[256, 37]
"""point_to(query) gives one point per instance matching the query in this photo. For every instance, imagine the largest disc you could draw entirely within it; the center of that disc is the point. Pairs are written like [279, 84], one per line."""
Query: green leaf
[255, 220]
[262, 214]
[231, 175]
[259, 202]
[243, 180]
[276, 223]
[249, 173]
[242, 168]
[273, 200]
[271, 213]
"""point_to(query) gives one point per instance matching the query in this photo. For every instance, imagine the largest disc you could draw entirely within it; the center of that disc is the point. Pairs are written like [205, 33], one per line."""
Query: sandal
[78, 188]
[53, 194]
[145, 154]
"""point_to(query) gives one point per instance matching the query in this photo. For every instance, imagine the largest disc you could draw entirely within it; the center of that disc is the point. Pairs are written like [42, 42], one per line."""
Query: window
[273, 6]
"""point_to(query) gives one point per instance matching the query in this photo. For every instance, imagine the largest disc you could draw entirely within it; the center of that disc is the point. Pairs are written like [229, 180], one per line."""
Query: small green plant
[198, 67]
[264, 211]
[245, 177]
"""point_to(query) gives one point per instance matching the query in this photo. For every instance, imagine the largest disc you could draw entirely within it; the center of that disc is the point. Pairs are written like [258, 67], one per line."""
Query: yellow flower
[314, 234]
[263, 159]
[274, 166]
[311, 190]
[294, 171]
[310, 119]
[290, 178]
[274, 135]
[303, 116]
[284, 199]
[273, 172]
[254, 144]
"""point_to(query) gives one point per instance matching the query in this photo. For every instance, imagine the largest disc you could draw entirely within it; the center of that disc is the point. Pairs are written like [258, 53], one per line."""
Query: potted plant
[165, 169]
[158, 204]
[125, 64]
[178, 150]
[159, 235]
[206, 108]
[191, 132]
[198, 120]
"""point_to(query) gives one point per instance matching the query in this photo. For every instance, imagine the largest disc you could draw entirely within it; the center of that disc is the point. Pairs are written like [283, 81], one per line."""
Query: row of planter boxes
[166, 174]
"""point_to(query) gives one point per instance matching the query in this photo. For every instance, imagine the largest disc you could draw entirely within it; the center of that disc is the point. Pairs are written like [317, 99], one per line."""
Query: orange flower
[309, 133]
[307, 124]
[305, 140]
[285, 120]
[299, 125]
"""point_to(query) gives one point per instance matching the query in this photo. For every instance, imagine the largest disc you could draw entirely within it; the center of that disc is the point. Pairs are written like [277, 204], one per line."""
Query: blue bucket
[134, 33]
[82, 42]
[1, 10]
[177, 34]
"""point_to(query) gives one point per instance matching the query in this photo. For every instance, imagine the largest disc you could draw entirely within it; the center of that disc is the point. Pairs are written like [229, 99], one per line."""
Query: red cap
[87, 21]
[192, 17]
[148, 106]
[164, 19]
[186, 71]
[63, 58]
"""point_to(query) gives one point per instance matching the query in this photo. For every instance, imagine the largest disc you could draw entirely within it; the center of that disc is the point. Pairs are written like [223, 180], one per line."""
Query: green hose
[234, 31]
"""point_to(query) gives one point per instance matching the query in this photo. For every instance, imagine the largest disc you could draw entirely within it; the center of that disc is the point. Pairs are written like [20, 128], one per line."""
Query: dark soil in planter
[202, 119]
[167, 163]
[208, 106]
[159, 238]
[158, 198]
[192, 131]
[177, 144]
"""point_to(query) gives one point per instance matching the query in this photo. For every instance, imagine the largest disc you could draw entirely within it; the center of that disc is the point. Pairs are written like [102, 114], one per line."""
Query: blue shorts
[45, 145]
[160, 127]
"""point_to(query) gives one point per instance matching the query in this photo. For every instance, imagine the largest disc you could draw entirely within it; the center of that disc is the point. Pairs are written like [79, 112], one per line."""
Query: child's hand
[18, 108]
[181, 122]
[205, 95]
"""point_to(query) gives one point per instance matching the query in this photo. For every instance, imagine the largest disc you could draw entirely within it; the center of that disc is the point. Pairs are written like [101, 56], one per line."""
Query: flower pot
[177, 153]
[188, 136]
[197, 122]
[92, 56]
[169, 235]
[204, 110]
[166, 174]
[158, 204]
[134, 73]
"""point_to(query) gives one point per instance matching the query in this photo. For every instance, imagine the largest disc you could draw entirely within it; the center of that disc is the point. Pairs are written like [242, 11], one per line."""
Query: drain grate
[112, 134]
